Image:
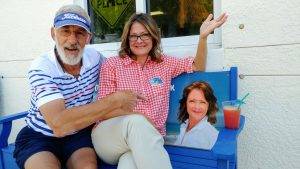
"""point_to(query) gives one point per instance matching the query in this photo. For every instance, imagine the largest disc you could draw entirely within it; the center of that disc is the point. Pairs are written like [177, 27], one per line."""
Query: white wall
[267, 52]
[24, 35]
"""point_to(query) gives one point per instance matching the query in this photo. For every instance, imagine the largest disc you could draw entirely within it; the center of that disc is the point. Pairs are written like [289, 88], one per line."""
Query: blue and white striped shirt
[49, 82]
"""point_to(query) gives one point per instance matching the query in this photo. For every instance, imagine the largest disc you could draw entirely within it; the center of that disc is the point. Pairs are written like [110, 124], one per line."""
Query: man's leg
[78, 150]
[114, 137]
[84, 158]
[44, 159]
[126, 161]
[35, 150]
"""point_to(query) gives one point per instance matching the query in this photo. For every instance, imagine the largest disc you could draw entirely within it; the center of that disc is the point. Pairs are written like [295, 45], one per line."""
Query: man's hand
[127, 99]
[116, 113]
[210, 25]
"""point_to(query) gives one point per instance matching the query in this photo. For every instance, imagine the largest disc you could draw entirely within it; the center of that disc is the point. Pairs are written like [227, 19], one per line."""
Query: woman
[197, 113]
[135, 141]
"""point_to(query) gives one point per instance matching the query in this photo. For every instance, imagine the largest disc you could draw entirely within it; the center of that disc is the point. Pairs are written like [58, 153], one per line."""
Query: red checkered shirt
[153, 81]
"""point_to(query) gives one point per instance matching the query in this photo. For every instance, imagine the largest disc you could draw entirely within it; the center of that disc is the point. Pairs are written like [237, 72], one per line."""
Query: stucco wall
[24, 35]
[267, 52]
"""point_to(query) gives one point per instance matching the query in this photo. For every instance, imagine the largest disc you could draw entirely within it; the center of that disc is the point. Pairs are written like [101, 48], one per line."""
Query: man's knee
[91, 165]
[84, 158]
[43, 159]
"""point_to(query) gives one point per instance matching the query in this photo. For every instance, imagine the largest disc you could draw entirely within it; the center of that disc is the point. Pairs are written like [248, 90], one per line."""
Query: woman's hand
[210, 25]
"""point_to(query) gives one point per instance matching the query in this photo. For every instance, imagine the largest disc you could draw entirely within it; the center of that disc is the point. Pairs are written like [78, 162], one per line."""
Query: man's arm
[65, 121]
[206, 28]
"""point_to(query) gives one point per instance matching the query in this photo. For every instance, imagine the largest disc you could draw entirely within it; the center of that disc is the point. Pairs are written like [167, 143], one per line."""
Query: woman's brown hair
[151, 26]
[209, 97]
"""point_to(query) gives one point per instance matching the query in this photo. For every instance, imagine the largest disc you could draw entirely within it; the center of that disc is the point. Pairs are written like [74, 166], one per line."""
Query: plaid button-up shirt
[153, 80]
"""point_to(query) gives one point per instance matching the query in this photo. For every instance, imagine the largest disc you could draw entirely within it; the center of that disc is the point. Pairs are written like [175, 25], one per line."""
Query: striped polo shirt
[48, 82]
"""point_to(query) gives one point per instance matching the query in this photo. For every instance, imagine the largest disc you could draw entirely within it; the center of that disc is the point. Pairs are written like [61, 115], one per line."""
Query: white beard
[71, 59]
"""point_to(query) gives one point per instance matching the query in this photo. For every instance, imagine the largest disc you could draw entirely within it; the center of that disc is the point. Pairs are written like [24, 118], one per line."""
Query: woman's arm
[206, 28]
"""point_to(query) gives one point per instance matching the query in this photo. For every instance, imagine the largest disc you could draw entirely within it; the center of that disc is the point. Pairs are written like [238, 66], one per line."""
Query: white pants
[132, 142]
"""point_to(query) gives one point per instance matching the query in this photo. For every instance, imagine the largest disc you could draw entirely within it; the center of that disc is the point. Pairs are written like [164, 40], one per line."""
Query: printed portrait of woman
[197, 114]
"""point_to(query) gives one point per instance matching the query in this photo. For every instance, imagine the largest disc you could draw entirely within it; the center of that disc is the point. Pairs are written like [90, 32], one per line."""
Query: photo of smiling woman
[135, 140]
[197, 113]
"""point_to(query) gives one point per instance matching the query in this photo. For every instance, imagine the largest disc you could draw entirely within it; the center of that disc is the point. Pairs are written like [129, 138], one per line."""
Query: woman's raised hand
[209, 25]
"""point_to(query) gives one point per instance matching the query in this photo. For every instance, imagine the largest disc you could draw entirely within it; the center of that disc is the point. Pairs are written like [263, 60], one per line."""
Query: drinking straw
[242, 101]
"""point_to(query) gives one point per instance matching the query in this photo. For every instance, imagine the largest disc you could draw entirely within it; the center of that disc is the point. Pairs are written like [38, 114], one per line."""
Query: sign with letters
[110, 10]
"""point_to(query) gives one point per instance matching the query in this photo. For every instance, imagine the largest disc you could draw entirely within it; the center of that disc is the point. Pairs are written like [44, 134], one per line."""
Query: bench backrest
[224, 84]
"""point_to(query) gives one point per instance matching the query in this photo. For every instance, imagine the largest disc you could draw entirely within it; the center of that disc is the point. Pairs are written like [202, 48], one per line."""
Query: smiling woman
[143, 68]
[138, 46]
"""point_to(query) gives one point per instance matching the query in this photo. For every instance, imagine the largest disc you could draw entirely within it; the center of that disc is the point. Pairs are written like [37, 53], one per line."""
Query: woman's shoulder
[174, 59]
[210, 130]
[112, 60]
[209, 135]
[168, 60]
[206, 128]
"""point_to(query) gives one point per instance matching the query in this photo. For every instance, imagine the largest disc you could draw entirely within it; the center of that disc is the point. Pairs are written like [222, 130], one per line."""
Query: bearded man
[62, 110]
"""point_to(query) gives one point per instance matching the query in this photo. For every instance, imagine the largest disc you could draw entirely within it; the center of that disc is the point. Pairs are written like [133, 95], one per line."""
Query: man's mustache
[72, 47]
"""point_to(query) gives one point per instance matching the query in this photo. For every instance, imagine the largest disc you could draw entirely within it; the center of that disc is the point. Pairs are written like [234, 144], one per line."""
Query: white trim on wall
[218, 32]
[141, 6]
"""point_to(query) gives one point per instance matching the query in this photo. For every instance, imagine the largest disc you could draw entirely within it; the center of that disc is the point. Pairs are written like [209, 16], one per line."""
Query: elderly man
[61, 112]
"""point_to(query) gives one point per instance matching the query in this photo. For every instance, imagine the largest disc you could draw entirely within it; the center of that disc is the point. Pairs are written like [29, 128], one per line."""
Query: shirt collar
[54, 60]
[199, 125]
[128, 60]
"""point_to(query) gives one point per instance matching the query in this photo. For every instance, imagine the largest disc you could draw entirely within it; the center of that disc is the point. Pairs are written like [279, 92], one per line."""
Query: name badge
[156, 81]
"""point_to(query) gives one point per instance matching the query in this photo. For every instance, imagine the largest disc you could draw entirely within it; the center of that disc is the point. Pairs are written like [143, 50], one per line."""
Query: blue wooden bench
[222, 156]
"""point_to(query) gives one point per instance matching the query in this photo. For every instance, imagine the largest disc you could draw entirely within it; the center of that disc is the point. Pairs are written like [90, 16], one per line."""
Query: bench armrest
[226, 145]
[5, 126]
